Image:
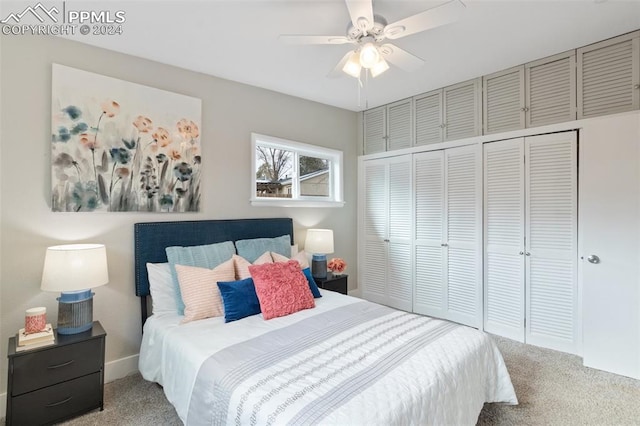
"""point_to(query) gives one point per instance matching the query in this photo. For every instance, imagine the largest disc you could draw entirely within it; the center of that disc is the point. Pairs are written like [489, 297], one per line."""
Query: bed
[346, 361]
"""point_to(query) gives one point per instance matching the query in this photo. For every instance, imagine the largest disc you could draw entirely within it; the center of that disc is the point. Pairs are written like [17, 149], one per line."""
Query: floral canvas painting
[121, 146]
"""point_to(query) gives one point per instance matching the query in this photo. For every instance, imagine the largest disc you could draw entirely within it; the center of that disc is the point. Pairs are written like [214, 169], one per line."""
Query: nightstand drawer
[55, 365]
[58, 402]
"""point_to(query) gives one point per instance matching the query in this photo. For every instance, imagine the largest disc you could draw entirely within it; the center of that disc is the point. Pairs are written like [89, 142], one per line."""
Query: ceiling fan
[369, 33]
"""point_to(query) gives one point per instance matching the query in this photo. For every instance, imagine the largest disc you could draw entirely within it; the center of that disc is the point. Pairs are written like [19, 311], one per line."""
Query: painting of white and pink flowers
[120, 146]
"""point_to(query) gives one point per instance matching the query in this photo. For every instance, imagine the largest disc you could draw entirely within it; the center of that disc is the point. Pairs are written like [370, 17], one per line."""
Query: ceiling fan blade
[432, 18]
[311, 39]
[361, 12]
[337, 71]
[400, 58]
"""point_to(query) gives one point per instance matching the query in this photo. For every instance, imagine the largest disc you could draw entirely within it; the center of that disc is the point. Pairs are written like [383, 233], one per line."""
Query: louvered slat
[374, 130]
[607, 74]
[399, 281]
[463, 286]
[504, 100]
[461, 109]
[551, 229]
[375, 271]
[551, 90]
[461, 195]
[400, 200]
[428, 112]
[399, 123]
[504, 238]
[429, 294]
[375, 217]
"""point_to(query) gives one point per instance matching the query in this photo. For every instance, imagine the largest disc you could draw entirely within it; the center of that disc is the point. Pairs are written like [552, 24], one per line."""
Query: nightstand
[337, 283]
[56, 382]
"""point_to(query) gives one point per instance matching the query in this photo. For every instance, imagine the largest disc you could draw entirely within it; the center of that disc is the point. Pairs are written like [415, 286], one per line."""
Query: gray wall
[230, 111]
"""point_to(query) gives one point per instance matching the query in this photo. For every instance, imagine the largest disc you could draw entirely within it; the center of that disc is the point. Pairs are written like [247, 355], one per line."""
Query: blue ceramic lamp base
[75, 312]
[319, 266]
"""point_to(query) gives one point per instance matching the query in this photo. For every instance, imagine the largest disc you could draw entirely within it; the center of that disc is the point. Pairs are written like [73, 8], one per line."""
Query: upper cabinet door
[551, 90]
[429, 120]
[504, 105]
[609, 76]
[462, 110]
[399, 125]
[375, 130]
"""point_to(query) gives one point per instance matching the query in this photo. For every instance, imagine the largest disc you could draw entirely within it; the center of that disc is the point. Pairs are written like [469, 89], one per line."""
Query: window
[295, 174]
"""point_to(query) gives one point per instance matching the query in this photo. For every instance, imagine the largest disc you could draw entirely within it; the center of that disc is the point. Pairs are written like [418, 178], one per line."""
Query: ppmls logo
[61, 20]
[38, 11]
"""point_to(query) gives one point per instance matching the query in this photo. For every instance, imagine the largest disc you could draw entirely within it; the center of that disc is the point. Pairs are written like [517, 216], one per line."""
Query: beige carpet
[553, 388]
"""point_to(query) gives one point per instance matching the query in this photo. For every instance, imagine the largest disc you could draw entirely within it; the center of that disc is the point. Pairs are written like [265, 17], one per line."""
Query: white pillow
[294, 250]
[163, 294]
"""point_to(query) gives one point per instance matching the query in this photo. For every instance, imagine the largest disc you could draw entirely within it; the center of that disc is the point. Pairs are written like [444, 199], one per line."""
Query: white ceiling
[238, 40]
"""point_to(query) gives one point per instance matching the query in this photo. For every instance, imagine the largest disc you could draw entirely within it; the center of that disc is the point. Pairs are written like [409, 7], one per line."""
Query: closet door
[375, 130]
[551, 241]
[504, 311]
[462, 110]
[428, 110]
[430, 280]
[399, 126]
[504, 105]
[374, 178]
[463, 233]
[387, 266]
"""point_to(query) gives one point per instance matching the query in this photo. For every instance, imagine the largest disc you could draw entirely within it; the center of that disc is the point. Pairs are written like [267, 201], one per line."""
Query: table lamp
[73, 270]
[319, 243]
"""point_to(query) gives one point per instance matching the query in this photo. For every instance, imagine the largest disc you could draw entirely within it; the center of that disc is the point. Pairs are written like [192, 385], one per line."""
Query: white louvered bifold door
[462, 114]
[428, 117]
[375, 217]
[551, 238]
[375, 130]
[429, 296]
[609, 76]
[400, 264]
[551, 90]
[504, 238]
[503, 100]
[399, 125]
[463, 230]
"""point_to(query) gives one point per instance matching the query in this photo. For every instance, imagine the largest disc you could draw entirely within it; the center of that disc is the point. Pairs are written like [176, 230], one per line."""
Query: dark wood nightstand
[336, 283]
[56, 382]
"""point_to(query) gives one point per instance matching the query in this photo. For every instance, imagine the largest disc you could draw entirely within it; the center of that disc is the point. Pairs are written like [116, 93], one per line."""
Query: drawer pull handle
[64, 364]
[64, 401]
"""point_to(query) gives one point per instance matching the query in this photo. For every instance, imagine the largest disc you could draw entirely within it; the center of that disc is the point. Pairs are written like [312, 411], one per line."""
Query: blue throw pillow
[253, 249]
[312, 283]
[239, 298]
[206, 256]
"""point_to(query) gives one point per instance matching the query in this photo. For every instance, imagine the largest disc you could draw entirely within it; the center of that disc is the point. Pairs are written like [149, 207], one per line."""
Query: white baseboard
[113, 370]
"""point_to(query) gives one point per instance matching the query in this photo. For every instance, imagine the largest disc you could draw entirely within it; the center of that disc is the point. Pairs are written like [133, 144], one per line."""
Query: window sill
[296, 203]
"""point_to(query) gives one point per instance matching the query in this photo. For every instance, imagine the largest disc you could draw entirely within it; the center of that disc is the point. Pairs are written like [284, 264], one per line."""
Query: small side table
[337, 283]
[52, 383]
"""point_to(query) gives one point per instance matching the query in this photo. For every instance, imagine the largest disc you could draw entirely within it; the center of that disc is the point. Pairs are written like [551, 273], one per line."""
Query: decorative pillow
[252, 249]
[282, 288]
[163, 294]
[294, 250]
[312, 283]
[200, 292]
[301, 257]
[239, 299]
[242, 264]
[206, 256]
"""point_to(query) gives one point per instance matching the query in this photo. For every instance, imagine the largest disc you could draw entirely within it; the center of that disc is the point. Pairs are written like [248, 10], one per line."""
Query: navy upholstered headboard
[152, 238]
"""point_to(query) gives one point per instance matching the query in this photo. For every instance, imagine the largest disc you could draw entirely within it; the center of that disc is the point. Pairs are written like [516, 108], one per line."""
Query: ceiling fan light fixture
[379, 68]
[369, 55]
[352, 66]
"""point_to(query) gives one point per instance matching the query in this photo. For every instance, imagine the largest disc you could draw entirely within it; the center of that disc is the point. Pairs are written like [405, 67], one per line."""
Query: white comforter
[447, 382]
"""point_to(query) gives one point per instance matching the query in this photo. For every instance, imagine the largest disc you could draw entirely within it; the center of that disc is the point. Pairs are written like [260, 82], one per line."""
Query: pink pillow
[199, 289]
[282, 288]
[301, 257]
[241, 264]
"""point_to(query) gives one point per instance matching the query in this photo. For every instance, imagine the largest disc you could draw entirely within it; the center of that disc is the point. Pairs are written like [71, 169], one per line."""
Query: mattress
[347, 361]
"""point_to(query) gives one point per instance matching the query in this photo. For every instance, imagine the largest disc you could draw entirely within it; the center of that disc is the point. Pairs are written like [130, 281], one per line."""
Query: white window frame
[335, 199]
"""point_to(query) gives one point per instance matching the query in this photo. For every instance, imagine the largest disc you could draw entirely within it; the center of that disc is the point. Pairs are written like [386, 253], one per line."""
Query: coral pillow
[200, 292]
[242, 265]
[282, 288]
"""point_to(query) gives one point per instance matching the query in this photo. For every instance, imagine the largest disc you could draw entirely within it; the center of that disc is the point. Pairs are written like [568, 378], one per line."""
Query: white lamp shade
[379, 68]
[319, 241]
[74, 267]
[369, 55]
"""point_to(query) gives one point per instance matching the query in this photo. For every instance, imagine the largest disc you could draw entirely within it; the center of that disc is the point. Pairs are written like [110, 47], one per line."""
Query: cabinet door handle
[521, 253]
[54, 404]
[64, 364]
[444, 245]
[528, 254]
